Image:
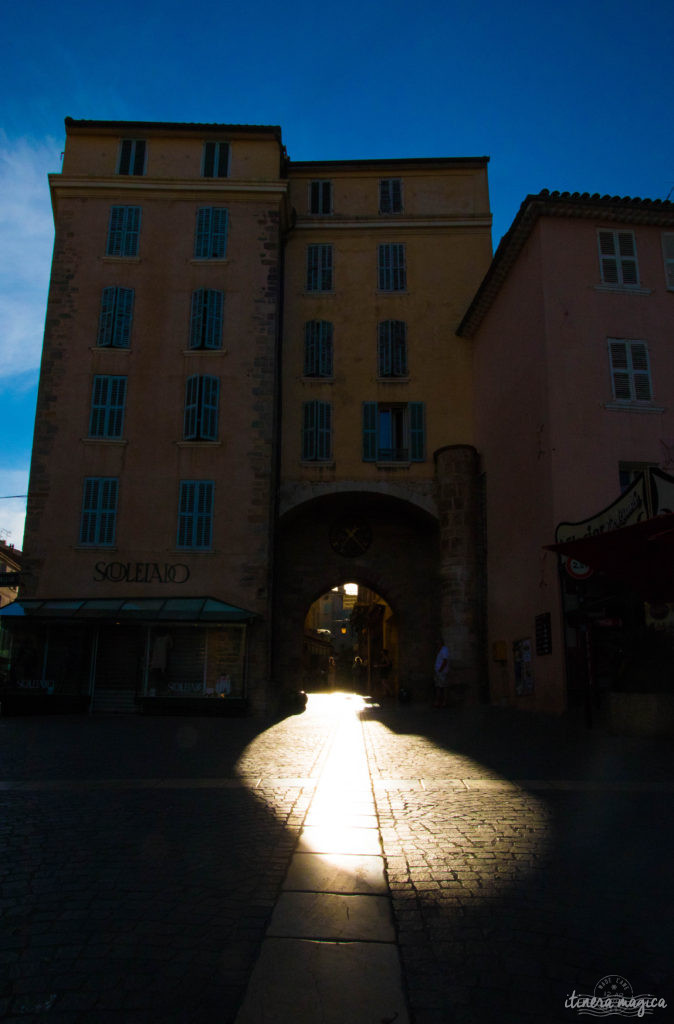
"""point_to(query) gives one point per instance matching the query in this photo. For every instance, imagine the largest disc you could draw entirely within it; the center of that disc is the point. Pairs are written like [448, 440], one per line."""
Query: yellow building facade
[251, 392]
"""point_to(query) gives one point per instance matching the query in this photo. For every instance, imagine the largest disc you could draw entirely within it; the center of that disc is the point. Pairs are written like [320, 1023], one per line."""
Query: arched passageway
[389, 547]
[351, 643]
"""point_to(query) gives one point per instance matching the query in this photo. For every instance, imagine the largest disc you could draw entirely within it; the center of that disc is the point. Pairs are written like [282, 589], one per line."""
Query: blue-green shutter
[214, 300]
[106, 319]
[191, 418]
[204, 514]
[210, 390]
[211, 233]
[117, 399]
[123, 317]
[99, 510]
[323, 430]
[186, 513]
[309, 430]
[417, 432]
[99, 405]
[197, 319]
[369, 431]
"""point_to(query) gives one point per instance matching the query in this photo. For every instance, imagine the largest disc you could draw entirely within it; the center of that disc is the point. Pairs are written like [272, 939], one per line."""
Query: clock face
[350, 537]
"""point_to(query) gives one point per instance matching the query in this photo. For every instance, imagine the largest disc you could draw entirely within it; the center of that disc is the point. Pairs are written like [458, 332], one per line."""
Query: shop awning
[640, 555]
[149, 609]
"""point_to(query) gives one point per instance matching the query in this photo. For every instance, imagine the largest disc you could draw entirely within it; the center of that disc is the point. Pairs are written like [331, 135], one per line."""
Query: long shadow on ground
[138, 873]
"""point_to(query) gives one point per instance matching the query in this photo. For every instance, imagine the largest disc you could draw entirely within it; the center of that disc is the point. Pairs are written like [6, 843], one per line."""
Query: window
[630, 372]
[131, 157]
[211, 236]
[123, 231]
[629, 473]
[390, 195]
[195, 514]
[107, 406]
[318, 348]
[668, 255]
[618, 258]
[206, 318]
[320, 197]
[99, 511]
[215, 162]
[201, 408]
[392, 348]
[319, 268]
[392, 273]
[114, 324]
[393, 433]
[316, 431]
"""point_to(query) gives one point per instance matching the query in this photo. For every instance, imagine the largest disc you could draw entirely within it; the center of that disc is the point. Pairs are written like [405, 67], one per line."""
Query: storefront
[617, 576]
[164, 655]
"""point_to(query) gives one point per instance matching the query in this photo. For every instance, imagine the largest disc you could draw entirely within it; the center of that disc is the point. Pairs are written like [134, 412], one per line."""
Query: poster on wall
[524, 676]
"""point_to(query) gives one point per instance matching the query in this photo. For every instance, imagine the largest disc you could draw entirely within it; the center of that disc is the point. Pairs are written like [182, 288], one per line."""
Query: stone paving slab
[329, 916]
[335, 839]
[336, 873]
[301, 982]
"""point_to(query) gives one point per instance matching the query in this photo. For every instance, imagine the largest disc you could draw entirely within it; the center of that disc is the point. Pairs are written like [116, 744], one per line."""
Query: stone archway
[384, 543]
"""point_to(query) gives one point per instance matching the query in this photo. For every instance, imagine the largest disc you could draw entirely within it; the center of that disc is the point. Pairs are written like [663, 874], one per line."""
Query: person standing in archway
[441, 676]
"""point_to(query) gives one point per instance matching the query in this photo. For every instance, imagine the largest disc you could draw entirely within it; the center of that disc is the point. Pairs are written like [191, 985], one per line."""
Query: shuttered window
[668, 256]
[99, 511]
[206, 318]
[394, 432]
[132, 154]
[630, 371]
[195, 514]
[392, 348]
[392, 272]
[114, 322]
[618, 258]
[320, 197]
[316, 431]
[107, 406]
[123, 231]
[390, 195]
[210, 241]
[319, 268]
[318, 348]
[215, 162]
[201, 408]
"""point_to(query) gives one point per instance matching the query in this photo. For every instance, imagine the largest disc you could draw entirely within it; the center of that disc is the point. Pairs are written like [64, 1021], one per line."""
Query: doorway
[351, 643]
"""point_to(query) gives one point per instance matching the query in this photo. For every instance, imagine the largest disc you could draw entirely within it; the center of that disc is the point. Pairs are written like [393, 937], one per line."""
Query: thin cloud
[26, 227]
[13, 509]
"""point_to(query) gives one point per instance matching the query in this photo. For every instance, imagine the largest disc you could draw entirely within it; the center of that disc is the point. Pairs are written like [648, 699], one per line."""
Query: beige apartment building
[252, 391]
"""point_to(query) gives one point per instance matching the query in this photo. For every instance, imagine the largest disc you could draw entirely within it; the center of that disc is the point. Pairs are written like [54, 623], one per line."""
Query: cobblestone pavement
[141, 858]
[527, 859]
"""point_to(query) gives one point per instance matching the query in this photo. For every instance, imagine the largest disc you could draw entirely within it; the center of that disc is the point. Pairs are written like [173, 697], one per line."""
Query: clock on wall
[350, 537]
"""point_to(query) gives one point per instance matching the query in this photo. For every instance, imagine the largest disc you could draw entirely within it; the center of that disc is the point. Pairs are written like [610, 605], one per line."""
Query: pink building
[573, 330]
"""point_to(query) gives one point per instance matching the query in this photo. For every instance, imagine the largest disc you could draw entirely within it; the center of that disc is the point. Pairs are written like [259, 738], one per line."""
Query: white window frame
[318, 349]
[390, 195]
[618, 263]
[668, 258]
[320, 268]
[195, 515]
[108, 400]
[98, 521]
[220, 167]
[132, 167]
[630, 371]
[392, 267]
[320, 190]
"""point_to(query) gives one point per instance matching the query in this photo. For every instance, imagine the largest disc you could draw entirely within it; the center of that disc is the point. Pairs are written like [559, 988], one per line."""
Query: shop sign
[141, 572]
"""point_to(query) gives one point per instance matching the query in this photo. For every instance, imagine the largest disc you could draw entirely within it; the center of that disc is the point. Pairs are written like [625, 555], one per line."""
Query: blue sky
[575, 97]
